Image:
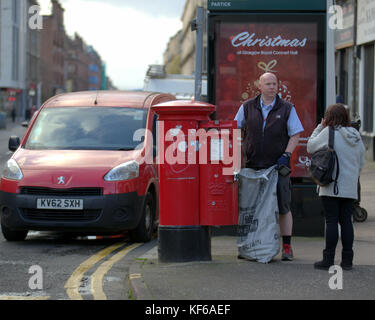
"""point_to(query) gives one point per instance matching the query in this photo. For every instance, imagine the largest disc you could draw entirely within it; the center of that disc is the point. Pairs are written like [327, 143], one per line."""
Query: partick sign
[221, 4]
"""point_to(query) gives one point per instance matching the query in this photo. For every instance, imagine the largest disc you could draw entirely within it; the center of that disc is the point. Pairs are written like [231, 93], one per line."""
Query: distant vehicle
[77, 168]
[181, 86]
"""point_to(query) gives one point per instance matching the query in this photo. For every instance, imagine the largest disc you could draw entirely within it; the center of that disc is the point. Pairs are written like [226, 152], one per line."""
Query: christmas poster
[244, 51]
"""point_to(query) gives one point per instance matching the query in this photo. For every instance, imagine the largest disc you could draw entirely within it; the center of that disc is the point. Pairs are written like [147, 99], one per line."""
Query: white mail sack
[258, 228]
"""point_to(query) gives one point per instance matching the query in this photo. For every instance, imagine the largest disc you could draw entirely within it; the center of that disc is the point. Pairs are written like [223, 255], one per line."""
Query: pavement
[228, 278]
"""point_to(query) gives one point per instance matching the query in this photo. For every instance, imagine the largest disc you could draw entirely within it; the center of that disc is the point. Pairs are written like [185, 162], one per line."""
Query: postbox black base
[184, 243]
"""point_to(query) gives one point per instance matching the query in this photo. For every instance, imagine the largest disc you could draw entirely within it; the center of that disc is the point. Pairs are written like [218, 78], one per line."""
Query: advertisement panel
[292, 50]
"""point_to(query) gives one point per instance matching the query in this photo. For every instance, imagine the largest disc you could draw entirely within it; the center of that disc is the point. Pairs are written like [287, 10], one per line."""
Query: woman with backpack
[338, 207]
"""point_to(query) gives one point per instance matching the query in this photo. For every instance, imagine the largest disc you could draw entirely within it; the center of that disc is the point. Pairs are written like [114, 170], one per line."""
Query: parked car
[78, 168]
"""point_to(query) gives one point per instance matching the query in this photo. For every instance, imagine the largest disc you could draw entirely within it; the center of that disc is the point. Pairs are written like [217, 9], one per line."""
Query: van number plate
[60, 204]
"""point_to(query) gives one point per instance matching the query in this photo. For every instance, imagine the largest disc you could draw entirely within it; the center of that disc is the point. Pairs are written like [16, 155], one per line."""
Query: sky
[129, 35]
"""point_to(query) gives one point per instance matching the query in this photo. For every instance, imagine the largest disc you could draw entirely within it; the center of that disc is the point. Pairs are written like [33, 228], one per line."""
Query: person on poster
[339, 209]
[271, 133]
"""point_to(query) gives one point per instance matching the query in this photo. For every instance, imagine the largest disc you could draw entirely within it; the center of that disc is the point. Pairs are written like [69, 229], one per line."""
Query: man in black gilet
[271, 133]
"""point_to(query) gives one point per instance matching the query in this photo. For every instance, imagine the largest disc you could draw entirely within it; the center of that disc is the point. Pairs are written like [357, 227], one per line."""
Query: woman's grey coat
[351, 154]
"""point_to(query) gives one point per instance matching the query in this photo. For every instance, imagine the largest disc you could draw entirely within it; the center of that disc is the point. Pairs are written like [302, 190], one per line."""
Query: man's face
[268, 85]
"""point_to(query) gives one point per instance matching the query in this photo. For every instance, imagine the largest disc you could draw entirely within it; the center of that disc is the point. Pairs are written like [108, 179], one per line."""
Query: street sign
[267, 5]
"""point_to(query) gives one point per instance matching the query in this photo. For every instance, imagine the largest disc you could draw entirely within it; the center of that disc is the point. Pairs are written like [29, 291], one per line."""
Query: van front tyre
[13, 235]
[143, 232]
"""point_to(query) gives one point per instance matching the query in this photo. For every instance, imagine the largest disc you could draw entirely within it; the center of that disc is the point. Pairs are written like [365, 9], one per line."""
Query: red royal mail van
[79, 168]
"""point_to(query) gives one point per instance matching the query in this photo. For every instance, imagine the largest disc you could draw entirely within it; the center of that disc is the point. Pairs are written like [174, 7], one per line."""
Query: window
[343, 75]
[93, 68]
[93, 80]
[87, 128]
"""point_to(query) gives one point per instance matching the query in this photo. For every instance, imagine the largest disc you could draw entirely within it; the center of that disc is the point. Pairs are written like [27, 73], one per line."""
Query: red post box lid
[184, 109]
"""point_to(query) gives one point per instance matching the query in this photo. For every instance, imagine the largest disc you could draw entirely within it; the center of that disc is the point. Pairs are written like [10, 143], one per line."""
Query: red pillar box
[181, 237]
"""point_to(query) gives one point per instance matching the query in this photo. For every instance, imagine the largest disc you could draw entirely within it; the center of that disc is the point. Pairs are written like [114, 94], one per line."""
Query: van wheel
[145, 228]
[13, 235]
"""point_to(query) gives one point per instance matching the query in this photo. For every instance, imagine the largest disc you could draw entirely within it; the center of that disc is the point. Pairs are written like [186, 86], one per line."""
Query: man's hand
[284, 160]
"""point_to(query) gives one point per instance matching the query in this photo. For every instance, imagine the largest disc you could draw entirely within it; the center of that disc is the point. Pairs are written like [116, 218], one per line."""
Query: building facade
[73, 65]
[188, 38]
[77, 62]
[52, 57]
[95, 69]
[33, 76]
[365, 51]
[355, 62]
[179, 56]
[13, 51]
[172, 55]
[39, 62]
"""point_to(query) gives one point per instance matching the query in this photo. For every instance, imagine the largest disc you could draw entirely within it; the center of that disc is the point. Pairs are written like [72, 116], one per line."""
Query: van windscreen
[87, 128]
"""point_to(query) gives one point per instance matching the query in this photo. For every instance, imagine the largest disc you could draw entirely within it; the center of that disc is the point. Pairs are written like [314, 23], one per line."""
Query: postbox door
[218, 186]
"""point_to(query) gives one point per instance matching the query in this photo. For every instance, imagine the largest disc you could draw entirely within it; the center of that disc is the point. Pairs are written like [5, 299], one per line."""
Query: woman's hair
[337, 115]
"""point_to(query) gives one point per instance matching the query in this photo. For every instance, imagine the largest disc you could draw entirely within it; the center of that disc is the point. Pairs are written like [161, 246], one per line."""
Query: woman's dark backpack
[323, 163]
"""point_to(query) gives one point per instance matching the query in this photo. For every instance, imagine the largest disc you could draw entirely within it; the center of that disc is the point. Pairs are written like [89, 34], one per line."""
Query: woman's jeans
[338, 211]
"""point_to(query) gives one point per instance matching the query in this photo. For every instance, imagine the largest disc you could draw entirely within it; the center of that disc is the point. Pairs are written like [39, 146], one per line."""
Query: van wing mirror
[14, 143]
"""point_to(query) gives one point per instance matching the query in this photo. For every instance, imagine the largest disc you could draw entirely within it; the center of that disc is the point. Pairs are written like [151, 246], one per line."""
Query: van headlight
[126, 171]
[12, 170]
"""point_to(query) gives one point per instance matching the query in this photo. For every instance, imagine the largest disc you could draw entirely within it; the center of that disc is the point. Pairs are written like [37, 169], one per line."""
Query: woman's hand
[323, 123]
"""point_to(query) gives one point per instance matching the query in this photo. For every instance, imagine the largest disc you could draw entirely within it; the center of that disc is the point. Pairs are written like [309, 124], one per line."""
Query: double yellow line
[75, 280]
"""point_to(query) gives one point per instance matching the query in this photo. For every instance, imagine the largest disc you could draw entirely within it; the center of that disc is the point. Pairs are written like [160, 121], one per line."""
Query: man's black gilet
[263, 148]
